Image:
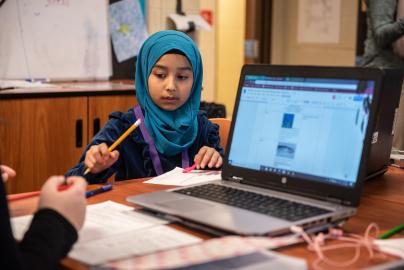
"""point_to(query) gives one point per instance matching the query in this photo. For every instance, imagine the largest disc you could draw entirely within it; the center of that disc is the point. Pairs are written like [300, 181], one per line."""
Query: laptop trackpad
[184, 205]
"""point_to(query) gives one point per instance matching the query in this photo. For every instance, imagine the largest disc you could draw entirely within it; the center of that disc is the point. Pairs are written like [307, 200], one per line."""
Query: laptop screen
[311, 128]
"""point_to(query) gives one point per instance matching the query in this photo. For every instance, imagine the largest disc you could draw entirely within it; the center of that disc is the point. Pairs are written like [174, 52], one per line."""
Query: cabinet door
[41, 137]
[101, 106]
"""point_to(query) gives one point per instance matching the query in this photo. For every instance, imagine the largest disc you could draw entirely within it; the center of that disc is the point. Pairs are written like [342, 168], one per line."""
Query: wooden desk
[382, 202]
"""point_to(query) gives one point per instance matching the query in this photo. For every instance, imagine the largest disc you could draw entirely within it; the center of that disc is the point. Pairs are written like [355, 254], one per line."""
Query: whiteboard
[55, 39]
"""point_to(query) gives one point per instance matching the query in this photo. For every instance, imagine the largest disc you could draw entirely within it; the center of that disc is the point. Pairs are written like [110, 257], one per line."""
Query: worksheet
[176, 177]
[114, 231]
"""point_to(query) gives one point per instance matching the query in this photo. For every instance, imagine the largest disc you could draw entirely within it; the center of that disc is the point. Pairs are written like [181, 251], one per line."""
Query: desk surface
[69, 89]
[382, 202]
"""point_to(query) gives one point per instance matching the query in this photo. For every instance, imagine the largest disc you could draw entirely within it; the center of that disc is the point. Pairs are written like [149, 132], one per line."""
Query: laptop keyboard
[264, 204]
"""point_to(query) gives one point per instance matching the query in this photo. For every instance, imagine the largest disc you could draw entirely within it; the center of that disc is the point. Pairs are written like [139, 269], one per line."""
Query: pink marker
[187, 170]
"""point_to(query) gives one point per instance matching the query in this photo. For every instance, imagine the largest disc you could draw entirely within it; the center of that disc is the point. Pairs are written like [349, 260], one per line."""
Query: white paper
[182, 22]
[109, 218]
[318, 21]
[24, 84]
[393, 246]
[176, 177]
[102, 220]
[209, 250]
[112, 231]
[20, 226]
[137, 242]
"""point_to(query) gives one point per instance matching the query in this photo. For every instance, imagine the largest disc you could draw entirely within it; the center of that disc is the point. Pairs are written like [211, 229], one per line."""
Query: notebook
[296, 153]
[382, 136]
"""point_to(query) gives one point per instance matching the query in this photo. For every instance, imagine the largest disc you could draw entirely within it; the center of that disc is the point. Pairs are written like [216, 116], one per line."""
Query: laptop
[382, 136]
[296, 153]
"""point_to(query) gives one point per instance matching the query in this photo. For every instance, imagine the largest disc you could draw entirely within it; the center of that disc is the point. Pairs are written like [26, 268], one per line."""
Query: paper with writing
[176, 177]
[112, 231]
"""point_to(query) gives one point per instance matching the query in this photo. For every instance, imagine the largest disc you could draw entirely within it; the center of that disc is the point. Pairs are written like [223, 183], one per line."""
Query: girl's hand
[98, 158]
[208, 156]
[6, 172]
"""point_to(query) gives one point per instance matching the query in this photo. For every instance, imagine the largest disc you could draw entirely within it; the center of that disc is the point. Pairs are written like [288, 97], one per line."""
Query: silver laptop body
[299, 134]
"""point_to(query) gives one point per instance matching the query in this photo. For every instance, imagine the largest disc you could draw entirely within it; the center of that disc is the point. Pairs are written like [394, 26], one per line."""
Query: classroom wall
[157, 19]
[286, 49]
[222, 48]
[229, 49]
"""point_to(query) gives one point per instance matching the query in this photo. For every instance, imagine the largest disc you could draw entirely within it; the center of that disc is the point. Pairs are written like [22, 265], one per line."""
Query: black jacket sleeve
[48, 239]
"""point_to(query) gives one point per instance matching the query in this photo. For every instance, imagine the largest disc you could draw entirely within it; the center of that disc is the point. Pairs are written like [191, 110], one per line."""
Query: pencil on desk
[26, 195]
[392, 232]
[20, 196]
[120, 139]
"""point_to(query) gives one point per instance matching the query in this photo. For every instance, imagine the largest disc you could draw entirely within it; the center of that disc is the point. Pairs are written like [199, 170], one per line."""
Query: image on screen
[313, 128]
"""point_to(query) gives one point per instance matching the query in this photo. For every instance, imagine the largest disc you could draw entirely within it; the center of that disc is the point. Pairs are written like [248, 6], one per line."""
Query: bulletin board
[55, 39]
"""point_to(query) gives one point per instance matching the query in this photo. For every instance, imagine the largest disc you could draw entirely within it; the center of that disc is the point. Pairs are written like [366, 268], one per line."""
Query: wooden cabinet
[46, 136]
[99, 108]
[38, 138]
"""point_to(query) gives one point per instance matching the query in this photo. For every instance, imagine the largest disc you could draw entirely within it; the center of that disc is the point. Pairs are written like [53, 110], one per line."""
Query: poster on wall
[318, 21]
[128, 28]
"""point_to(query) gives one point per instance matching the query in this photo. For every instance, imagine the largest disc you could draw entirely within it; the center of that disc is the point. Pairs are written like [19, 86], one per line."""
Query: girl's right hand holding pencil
[98, 158]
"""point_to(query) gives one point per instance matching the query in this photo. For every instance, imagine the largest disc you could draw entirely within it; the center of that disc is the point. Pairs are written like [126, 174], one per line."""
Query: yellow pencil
[120, 139]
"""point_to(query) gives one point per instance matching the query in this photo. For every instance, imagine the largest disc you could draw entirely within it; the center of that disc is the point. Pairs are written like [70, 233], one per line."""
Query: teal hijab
[172, 131]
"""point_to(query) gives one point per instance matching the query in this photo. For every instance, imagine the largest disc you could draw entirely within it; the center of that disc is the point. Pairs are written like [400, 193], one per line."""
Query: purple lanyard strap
[152, 148]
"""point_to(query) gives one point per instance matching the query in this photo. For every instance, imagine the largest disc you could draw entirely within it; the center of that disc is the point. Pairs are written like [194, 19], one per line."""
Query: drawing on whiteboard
[58, 2]
[56, 39]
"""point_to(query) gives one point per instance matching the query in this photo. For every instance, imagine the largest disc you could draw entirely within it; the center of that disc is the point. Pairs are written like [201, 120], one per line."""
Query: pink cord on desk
[316, 243]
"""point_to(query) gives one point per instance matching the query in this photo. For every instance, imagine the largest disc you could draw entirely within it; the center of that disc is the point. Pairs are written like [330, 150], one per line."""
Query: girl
[173, 132]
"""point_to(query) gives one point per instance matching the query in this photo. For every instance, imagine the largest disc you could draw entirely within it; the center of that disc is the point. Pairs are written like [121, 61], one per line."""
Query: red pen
[25, 195]
[187, 170]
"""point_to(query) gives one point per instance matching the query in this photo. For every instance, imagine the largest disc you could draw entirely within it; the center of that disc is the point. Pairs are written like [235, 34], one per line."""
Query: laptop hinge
[334, 200]
[338, 201]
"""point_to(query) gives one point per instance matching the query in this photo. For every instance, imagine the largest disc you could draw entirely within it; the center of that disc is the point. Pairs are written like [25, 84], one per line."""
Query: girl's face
[170, 81]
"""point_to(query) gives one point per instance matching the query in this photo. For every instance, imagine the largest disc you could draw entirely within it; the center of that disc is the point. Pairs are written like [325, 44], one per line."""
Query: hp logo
[284, 180]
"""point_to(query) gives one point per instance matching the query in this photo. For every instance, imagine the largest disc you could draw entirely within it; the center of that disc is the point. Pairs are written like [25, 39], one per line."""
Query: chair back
[224, 128]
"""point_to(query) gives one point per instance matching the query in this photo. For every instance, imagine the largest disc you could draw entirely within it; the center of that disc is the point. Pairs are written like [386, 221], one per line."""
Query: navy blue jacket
[134, 159]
